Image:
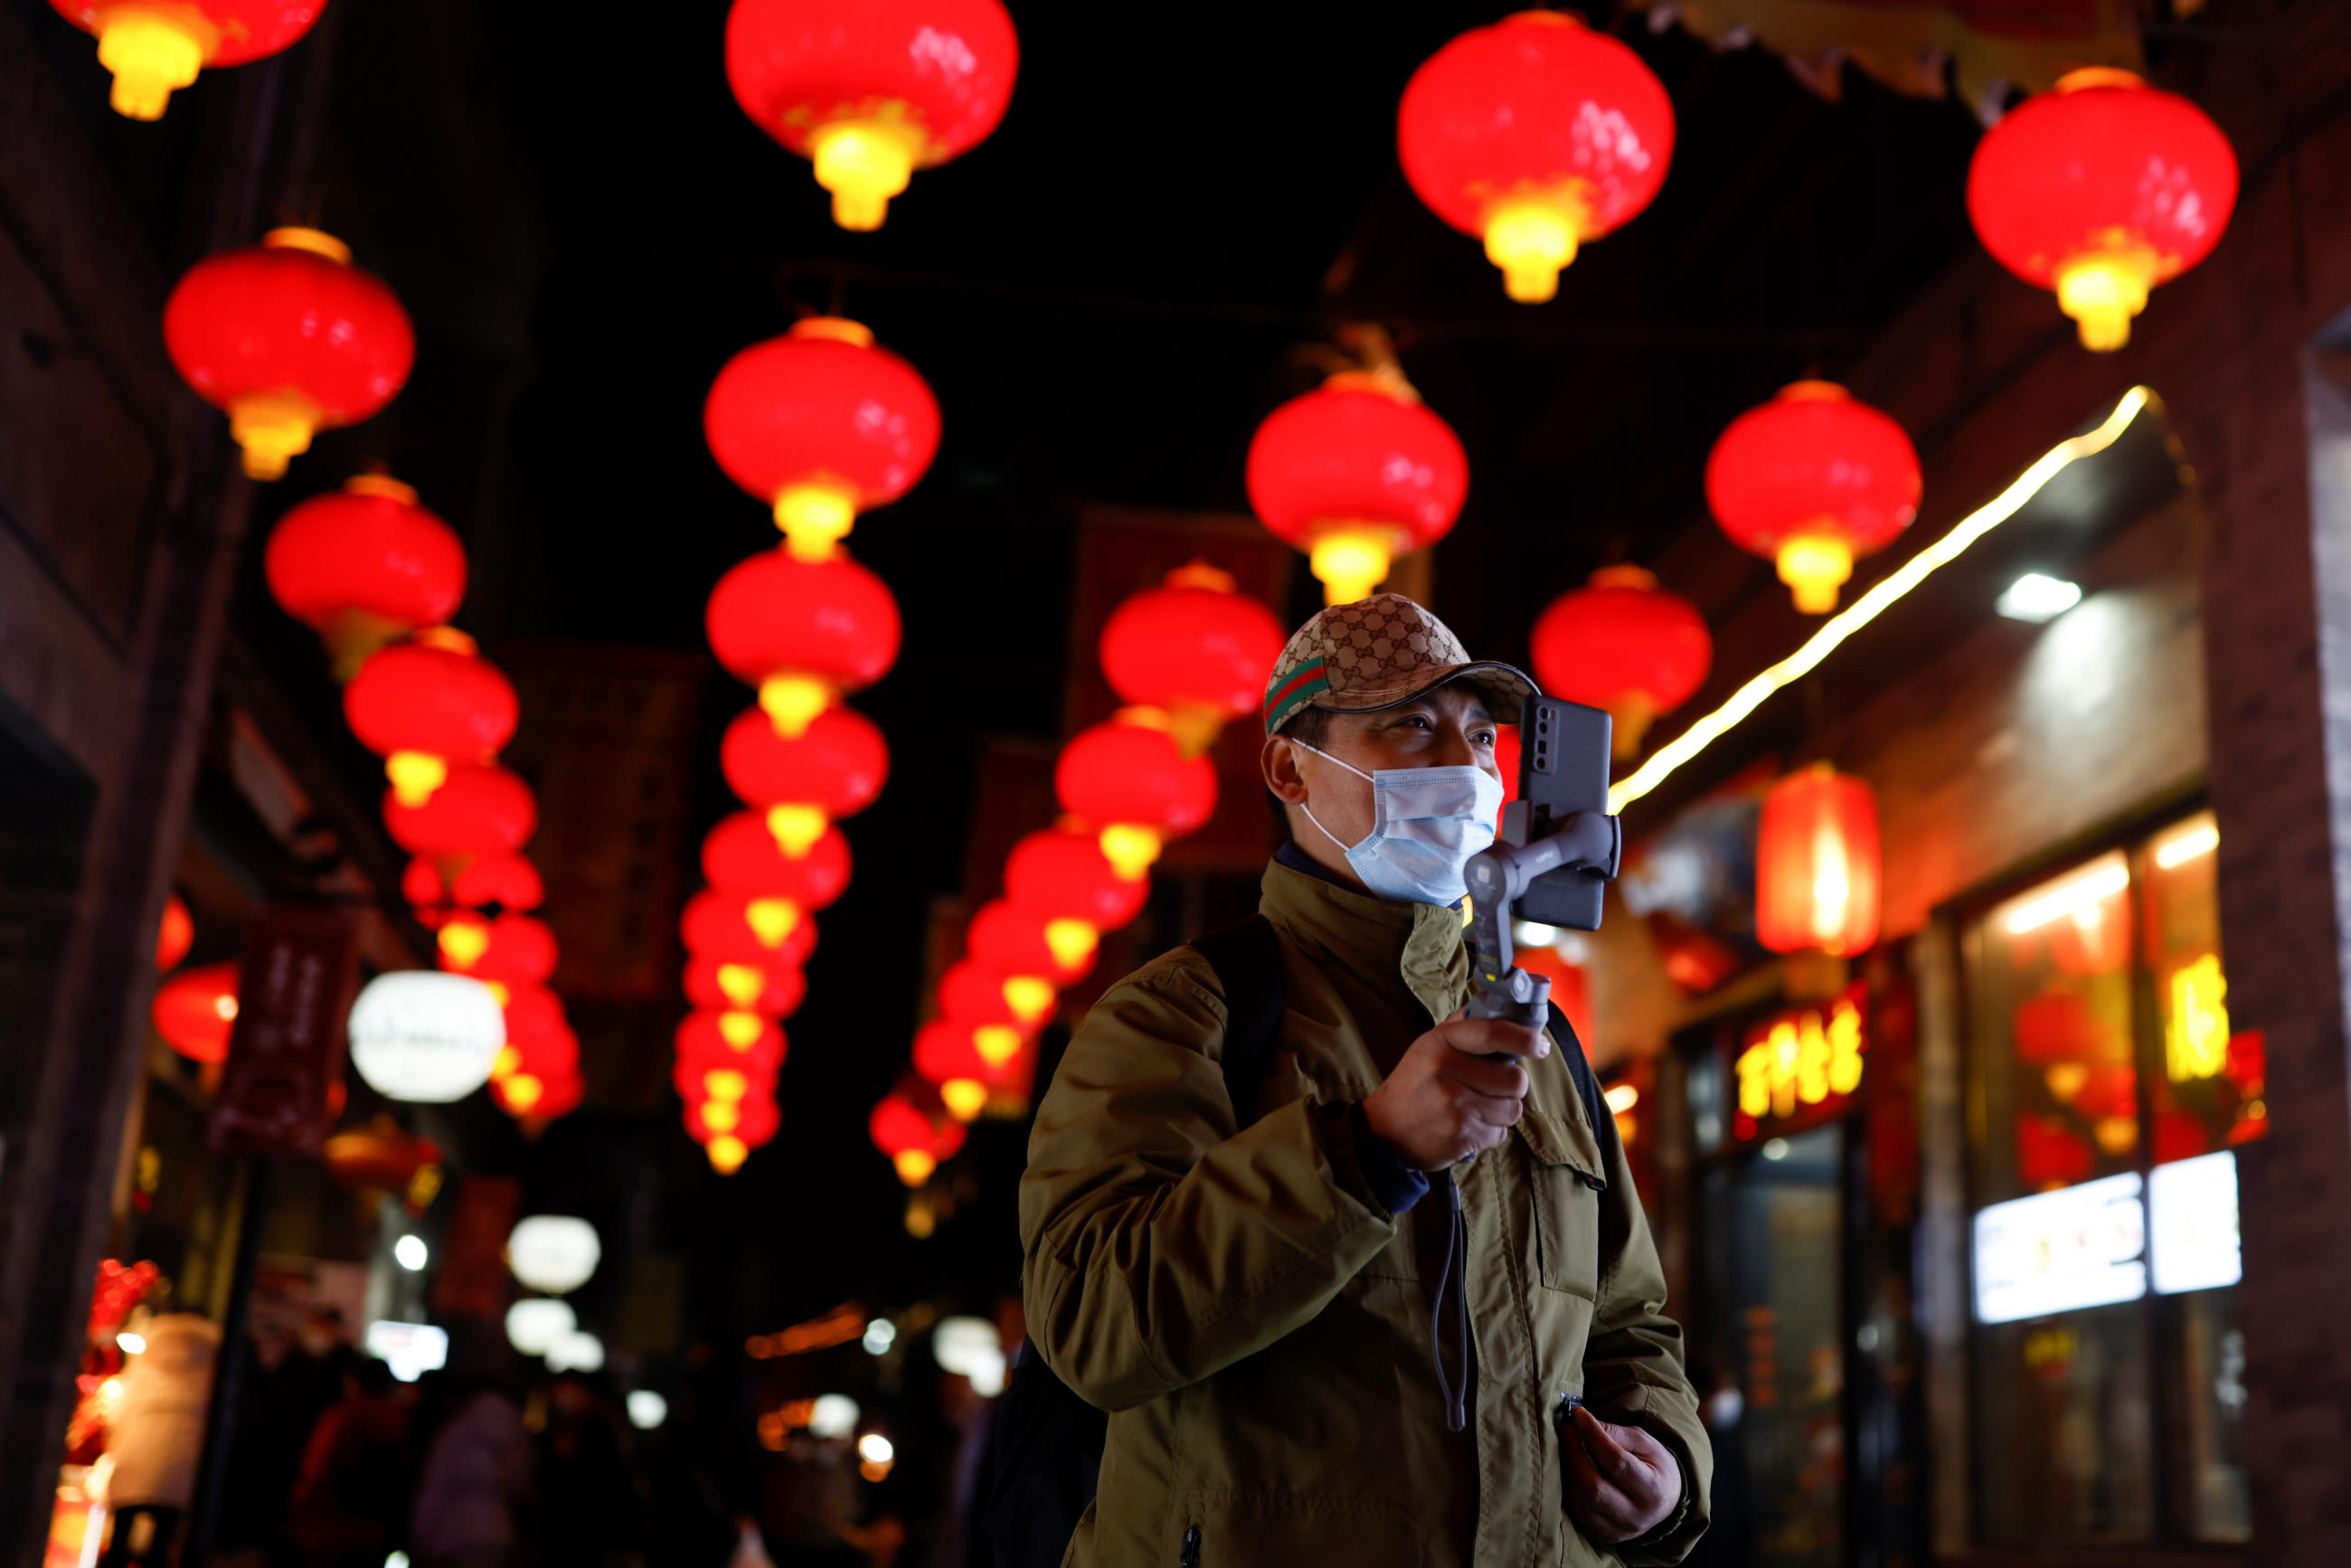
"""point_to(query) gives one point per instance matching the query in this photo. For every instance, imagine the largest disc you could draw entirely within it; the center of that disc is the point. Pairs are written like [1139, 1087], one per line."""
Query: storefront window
[2108, 1089]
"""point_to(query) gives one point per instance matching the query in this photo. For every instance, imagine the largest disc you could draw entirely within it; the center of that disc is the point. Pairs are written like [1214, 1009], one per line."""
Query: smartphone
[1563, 751]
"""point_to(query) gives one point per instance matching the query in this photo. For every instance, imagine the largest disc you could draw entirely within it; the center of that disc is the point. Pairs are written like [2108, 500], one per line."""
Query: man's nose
[1457, 747]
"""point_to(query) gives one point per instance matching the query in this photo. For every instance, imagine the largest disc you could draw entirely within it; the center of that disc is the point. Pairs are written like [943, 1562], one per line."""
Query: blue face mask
[1425, 824]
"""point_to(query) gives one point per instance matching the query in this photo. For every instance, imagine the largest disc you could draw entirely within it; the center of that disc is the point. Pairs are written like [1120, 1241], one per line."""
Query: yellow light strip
[2190, 842]
[1881, 597]
[2082, 891]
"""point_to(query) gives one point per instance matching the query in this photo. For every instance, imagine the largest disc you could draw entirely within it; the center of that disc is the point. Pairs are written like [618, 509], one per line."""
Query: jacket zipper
[1191, 1558]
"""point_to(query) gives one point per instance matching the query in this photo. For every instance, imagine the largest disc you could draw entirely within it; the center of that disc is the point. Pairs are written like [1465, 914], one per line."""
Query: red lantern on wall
[1814, 480]
[1356, 474]
[870, 91]
[425, 703]
[821, 425]
[154, 50]
[1535, 135]
[195, 1011]
[1017, 942]
[914, 1142]
[1062, 875]
[478, 810]
[772, 989]
[1624, 644]
[740, 859]
[1195, 649]
[365, 565]
[1131, 780]
[720, 928]
[834, 767]
[174, 935]
[290, 338]
[2100, 190]
[1817, 867]
[804, 632]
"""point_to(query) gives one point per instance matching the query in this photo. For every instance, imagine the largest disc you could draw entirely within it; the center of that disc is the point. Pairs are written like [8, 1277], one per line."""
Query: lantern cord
[1880, 598]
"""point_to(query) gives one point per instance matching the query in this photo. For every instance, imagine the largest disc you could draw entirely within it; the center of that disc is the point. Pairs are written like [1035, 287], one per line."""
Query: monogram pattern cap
[1376, 654]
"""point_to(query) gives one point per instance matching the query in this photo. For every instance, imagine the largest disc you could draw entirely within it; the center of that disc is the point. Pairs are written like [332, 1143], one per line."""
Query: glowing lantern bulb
[742, 1031]
[743, 984]
[727, 1153]
[462, 942]
[914, 1165]
[1074, 943]
[1031, 997]
[964, 1098]
[772, 920]
[155, 49]
[1814, 479]
[997, 1043]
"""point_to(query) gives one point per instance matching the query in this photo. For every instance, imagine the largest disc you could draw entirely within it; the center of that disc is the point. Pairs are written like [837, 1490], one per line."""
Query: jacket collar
[1347, 928]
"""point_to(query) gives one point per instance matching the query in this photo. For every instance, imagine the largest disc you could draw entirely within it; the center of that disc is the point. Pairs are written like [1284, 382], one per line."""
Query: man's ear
[1279, 762]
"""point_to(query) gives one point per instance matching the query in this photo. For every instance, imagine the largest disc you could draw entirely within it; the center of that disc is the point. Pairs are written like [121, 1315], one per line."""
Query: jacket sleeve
[1632, 1362]
[1160, 1244]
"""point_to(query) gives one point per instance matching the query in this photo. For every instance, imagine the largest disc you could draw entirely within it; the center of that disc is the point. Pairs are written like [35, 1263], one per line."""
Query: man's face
[1445, 728]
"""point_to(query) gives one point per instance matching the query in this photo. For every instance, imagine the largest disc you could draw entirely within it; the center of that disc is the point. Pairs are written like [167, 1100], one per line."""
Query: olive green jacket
[1259, 1325]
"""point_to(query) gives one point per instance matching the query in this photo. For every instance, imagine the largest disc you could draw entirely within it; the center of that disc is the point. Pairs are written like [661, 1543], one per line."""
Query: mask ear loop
[1309, 810]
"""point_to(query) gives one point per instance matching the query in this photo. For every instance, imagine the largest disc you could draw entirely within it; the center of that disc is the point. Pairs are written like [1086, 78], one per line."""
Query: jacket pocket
[1564, 1171]
[1266, 1528]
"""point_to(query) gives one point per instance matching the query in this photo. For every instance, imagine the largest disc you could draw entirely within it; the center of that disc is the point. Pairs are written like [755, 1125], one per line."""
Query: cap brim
[1505, 687]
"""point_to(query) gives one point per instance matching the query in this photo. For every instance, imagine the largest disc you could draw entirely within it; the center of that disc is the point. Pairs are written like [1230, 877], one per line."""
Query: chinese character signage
[294, 987]
[1799, 1062]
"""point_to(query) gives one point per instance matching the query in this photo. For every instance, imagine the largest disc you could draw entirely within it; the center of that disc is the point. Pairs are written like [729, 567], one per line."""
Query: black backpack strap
[1247, 957]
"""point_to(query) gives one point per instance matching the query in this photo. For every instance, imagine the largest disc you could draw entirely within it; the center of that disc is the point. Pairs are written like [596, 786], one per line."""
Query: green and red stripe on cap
[1285, 696]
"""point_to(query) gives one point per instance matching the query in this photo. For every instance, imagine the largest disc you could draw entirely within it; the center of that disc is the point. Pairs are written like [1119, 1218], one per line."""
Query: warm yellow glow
[1072, 943]
[522, 1091]
[815, 517]
[2187, 844]
[462, 943]
[1801, 1061]
[727, 1153]
[864, 163]
[1832, 885]
[151, 56]
[274, 428]
[1031, 998]
[1881, 596]
[1531, 238]
[725, 1084]
[1351, 559]
[915, 1167]
[796, 828]
[1815, 567]
[509, 1059]
[2066, 1079]
[772, 920]
[740, 1030]
[415, 775]
[1196, 727]
[721, 1115]
[225, 1008]
[741, 984]
[2116, 1134]
[965, 1097]
[1131, 848]
[1623, 1097]
[2104, 288]
[498, 991]
[2075, 895]
[2196, 1041]
[997, 1043]
[792, 701]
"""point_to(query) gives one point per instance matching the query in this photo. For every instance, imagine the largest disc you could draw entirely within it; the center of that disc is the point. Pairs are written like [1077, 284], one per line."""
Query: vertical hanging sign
[294, 991]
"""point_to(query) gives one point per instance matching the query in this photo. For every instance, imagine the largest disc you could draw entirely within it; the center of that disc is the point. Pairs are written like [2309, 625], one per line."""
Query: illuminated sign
[2192, 1216]
[1807, 1057]
[2196, 1043]
[408, 1351]
[2060, 1251]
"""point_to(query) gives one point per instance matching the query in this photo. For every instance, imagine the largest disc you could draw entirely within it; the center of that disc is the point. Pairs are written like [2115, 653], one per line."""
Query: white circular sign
[425, 1037]
[553, 1252]
[577, 1350]
[535, 1322]
[647, 1409]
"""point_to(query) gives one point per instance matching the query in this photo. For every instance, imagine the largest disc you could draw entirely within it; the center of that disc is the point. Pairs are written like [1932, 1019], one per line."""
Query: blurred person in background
[587, 1491]
[350, 1498]
[476, 1480]
[158, 1435]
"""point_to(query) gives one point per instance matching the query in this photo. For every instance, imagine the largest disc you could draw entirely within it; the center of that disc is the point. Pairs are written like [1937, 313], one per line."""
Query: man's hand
[1456, 1091]
[1621, 1481]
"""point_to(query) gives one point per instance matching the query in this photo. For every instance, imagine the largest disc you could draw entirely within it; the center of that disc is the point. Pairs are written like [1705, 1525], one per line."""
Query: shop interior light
[876, 1449]
[2038, 599]
[1623, 1097]
[410, 1253]
[1534, 934]
[1882, 597]
[2075, 894]
[1776, 1149]
[879, 1335]
[131, 1344]
[833, 1415]
[647, 1409]
[2187, 846]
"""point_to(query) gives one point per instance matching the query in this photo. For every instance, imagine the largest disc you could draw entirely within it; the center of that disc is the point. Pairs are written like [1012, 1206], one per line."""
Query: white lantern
[961, 1344]
[535, 1322]
[426, 1037]
[553, 1252]
[647, 1409]
[835, 1416]
[577, 1350]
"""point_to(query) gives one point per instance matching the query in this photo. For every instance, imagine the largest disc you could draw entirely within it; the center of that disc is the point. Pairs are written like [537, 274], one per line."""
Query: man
[1410, 1313]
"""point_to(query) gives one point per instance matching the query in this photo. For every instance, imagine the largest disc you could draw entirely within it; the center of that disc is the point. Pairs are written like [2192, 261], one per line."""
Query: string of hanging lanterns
[153, 50]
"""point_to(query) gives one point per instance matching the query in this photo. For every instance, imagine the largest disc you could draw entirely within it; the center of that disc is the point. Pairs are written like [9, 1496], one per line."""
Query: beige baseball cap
[1375, 653]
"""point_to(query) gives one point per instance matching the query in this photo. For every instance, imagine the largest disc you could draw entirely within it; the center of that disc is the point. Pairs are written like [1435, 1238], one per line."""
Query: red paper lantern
[380, 1157]
[699, 1081]
[424, 703]
[155, 49]
[720, 928]
[1817, 871]
[804, 632]
[821, 425]
[1194, 648]
[478, 810]
[512, 950]
[870, 92]
[175, 934]
[2100, 190]
[557, 1097]
[981, 994]
[1506, 764]
[1814, 480]
[540, 1046]
[290, 338]
[947, 1056]
[1131, 780]
[1356, 474]
[914, 1142]
[1018, 942]
[741, 860]
[773, 989]
[2055, 1028]
[2049, 1155]
[1061, 875]
[364, 565]
[1624, 644]
[732, 1038]
[195, 1011]
[1535, 135]
[834, 767]
[505, 880]
[746, 1125]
